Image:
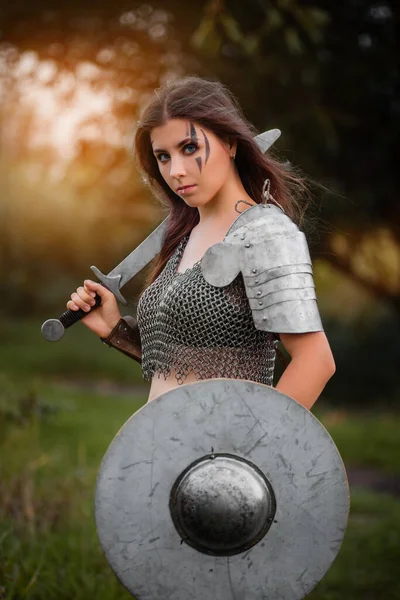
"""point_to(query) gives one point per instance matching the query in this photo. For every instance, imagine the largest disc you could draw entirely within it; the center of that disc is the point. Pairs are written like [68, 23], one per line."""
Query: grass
[79, 354]
[48, 543]
[368, 439]
[366, 566]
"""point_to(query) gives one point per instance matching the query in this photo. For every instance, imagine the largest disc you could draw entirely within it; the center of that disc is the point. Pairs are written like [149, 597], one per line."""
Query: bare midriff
[159, 385]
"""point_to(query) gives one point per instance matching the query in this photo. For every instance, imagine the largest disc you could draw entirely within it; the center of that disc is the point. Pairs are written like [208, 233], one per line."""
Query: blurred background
[72, 77]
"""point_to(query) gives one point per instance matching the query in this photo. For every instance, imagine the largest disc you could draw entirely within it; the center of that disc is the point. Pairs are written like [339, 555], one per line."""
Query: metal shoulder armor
[271, 253]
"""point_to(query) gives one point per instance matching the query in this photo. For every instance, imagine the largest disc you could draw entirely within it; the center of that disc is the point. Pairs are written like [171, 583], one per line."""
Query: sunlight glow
[66, 107]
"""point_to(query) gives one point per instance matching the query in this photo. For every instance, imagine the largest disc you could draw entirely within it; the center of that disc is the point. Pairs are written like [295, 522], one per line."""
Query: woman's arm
[310, 369]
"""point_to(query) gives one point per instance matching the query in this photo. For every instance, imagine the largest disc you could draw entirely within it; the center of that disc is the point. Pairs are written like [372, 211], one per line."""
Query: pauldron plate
[271, 253]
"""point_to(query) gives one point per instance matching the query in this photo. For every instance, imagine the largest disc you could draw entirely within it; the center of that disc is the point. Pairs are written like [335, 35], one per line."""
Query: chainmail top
[188, 325]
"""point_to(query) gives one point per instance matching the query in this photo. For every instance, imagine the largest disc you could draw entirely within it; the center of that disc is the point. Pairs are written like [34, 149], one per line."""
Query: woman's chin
[192, 202]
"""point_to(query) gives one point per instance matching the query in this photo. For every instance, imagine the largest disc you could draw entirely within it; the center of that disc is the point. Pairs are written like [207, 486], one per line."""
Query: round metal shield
[166, 520]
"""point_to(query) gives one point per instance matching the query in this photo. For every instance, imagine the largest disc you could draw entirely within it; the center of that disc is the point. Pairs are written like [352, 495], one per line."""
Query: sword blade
[266, 139]
[133, 263]
[140, 256]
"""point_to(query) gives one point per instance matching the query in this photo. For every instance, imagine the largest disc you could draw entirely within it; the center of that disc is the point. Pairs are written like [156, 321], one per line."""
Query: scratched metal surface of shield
[242, 418]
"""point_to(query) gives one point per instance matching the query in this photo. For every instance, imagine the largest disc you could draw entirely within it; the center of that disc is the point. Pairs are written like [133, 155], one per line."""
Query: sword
[53, 329]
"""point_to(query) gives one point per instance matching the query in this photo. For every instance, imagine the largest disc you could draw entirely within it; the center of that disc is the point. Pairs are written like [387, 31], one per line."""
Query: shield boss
[221, 489]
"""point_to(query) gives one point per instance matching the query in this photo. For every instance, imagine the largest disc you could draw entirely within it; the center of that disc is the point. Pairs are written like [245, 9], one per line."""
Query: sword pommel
[52, 330]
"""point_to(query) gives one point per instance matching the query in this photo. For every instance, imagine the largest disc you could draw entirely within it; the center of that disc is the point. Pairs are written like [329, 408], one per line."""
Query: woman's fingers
[103, 320]
[84, 297]
[72, 306]
[97, 288]
[91, 293]
[79, 301]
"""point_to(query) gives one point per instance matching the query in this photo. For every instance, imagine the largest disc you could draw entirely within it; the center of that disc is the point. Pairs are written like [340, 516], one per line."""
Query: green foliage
[293, 41]
[221, 25]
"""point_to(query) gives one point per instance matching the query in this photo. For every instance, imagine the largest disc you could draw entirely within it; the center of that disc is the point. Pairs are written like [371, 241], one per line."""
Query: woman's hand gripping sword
[53, 329]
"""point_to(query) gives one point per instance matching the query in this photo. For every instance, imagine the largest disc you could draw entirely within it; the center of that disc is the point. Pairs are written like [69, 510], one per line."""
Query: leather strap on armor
[125, 338]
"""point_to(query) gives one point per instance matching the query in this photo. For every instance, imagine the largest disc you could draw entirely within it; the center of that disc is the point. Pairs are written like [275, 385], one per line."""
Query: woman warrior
[209, 309]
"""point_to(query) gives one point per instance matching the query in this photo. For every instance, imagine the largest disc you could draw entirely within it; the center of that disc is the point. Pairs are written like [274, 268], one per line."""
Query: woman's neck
[220, 211]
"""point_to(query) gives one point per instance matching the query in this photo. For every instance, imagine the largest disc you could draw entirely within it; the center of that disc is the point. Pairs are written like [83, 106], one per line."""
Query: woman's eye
[190, 148]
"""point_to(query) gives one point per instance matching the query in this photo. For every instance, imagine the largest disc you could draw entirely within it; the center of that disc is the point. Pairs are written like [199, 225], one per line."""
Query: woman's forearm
[305, 378]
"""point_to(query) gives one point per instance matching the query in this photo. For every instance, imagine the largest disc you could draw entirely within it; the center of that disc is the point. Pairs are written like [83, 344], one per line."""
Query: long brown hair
[211, 105]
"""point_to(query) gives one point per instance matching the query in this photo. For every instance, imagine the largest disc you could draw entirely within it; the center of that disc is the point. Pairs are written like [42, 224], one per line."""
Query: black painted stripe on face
[207, 145]
[199, 162]
[193, 132]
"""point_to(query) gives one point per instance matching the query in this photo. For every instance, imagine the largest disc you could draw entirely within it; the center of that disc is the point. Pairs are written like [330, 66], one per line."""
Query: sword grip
[69, 317]
[53, 329]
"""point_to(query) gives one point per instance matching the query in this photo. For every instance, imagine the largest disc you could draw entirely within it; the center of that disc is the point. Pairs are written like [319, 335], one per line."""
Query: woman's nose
[177, 168]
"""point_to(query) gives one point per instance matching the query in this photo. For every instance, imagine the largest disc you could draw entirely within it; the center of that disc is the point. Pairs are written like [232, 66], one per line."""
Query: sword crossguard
[111, 283]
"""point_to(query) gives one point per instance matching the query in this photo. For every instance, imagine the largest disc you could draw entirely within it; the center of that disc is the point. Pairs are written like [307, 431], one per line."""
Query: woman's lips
[186, 189]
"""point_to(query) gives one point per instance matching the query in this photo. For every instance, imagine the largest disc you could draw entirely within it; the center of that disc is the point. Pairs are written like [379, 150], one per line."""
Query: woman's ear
[230, 145]
[232, 148]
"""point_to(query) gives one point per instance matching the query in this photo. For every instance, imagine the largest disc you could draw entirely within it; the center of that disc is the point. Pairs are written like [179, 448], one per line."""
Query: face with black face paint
[193, 161]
